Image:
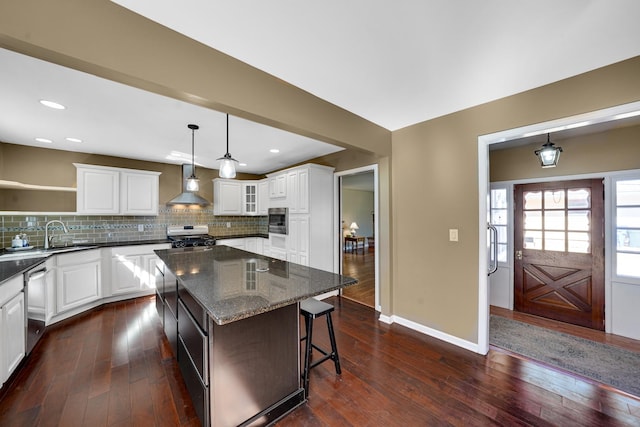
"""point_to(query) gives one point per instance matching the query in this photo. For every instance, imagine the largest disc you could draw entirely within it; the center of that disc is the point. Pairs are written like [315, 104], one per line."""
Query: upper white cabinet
[227, 197]
[115, 191]
[250, 198]
[278, 186]
[263, 197]
[234, 197]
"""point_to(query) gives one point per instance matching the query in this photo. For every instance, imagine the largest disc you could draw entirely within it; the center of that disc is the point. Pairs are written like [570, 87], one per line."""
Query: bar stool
[311, 308]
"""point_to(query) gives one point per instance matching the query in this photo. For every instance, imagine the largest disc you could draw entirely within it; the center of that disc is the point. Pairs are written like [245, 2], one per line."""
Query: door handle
[519, 254]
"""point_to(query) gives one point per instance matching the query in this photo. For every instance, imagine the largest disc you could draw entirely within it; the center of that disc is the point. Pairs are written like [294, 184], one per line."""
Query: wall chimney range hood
[187, 197]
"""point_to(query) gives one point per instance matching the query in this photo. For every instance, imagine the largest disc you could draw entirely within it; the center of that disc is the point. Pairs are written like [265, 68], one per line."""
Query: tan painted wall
[435, 188]
[428, 171]
[42, 166]
[612, 150]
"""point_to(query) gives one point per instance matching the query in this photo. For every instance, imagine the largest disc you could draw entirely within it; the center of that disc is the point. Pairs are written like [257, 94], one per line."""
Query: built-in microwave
[278, 220]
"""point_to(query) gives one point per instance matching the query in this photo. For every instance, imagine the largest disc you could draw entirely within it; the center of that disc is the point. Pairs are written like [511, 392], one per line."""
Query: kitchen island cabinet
[238, 330]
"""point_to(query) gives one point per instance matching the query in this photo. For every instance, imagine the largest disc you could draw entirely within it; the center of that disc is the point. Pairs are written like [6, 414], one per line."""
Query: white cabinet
[78, 279]
[12, 326]
[263, 197]
[116, 191]
[233, 197]
[139, 192]
[133, 268]
[298, 248]
[227, 197]
[278, 186]
[234, 243]
[309, 197]
[250, 198]
[98, 190]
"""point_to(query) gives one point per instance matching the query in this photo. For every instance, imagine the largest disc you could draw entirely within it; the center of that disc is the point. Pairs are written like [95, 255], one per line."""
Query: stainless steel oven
[279, 220]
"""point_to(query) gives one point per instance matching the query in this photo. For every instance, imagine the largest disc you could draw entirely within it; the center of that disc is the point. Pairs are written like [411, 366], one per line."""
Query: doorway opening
[509, 136]
[356, 217]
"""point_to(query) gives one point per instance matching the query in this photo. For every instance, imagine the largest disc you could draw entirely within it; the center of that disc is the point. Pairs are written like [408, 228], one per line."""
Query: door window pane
[533, 220]
[579, 242]
[532, 200]
[554, 220]
[554, 241]
[498, 216]
[578, 198]
[554, 199]
[578, 220]
[532, 240]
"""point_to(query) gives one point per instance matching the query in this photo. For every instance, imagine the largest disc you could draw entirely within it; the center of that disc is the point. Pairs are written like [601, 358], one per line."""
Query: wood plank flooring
[109, 367]
[362, 267]
[113, 367]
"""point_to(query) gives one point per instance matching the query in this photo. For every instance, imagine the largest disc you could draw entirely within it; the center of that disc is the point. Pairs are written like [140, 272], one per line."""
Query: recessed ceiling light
[242, 164]
[52, 104]
[274, 150]
[73, 139]
[45, 140]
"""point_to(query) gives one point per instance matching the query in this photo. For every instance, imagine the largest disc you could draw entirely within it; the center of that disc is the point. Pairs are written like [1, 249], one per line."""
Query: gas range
[183, 236]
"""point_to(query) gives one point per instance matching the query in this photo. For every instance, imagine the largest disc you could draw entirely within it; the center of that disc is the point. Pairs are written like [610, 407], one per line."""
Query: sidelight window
[627, 227]
[498, 217]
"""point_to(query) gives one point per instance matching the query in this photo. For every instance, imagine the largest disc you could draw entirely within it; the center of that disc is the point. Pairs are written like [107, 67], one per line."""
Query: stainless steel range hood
[187, 197]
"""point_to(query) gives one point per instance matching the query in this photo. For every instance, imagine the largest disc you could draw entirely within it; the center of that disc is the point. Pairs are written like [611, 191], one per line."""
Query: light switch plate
[453, 234]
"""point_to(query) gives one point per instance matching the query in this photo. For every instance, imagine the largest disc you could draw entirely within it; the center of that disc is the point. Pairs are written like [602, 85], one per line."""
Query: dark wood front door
[559, 244]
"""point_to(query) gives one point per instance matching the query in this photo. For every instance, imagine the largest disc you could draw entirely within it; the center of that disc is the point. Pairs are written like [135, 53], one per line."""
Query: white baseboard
[451, 339]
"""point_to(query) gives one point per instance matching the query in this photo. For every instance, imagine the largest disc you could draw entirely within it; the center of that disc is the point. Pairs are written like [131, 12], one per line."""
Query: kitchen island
[232, 318]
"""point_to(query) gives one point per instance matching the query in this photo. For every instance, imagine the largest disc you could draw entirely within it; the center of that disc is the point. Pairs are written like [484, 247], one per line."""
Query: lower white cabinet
[298, 239]
[250, 244]
[12, 326]
[78, 279]
[133, 267]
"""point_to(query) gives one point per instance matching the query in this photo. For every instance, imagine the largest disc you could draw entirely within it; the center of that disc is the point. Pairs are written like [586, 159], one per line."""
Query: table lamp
[353, 228]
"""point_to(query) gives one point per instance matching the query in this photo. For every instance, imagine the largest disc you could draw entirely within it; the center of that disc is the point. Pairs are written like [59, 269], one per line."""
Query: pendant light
[549, 154]
[227, 165]
[193, 183]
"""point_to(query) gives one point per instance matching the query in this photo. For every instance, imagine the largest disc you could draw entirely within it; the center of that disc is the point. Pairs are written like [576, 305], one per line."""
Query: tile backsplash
[104, 229]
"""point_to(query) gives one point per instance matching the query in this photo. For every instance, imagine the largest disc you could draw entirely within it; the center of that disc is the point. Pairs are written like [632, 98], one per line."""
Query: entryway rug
[604, 363]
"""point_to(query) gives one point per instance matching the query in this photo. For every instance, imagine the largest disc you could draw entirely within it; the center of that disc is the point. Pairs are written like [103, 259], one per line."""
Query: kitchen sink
[40, 252]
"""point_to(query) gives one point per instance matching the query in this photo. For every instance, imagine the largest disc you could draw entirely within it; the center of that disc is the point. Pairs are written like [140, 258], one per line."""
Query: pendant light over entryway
[549, 154]
[227, 166]
[193, 183]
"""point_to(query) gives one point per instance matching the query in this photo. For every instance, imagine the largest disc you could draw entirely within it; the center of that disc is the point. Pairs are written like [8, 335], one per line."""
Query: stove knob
[179, 244]
[210, 242]
[196, 243]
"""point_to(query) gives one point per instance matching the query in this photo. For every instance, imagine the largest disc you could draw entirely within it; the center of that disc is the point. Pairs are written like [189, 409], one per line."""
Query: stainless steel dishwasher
[34, 296]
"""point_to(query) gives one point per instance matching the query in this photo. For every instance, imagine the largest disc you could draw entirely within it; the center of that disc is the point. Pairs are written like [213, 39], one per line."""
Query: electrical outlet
[228, 225]
[140, 228]
[453, 234]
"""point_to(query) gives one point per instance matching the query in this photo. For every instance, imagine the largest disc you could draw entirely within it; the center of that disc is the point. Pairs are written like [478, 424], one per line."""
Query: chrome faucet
[48, 240]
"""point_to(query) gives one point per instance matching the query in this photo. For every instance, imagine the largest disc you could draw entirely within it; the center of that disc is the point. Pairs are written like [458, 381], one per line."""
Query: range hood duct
[187, 197]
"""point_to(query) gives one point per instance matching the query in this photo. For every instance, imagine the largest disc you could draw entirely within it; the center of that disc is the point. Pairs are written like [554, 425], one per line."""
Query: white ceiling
[393, 63]
[118, 120]
[397, 63]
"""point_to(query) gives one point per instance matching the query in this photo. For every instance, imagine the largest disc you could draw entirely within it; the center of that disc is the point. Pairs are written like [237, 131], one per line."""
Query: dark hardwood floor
[362, 267]
[113, 367]
[109, 367]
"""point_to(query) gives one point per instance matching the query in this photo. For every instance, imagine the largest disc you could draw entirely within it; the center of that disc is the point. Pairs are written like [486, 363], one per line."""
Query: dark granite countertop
[9, 269]
[232, 284]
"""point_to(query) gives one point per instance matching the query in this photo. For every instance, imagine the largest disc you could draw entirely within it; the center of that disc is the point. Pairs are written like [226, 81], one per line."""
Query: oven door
[278, 220]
